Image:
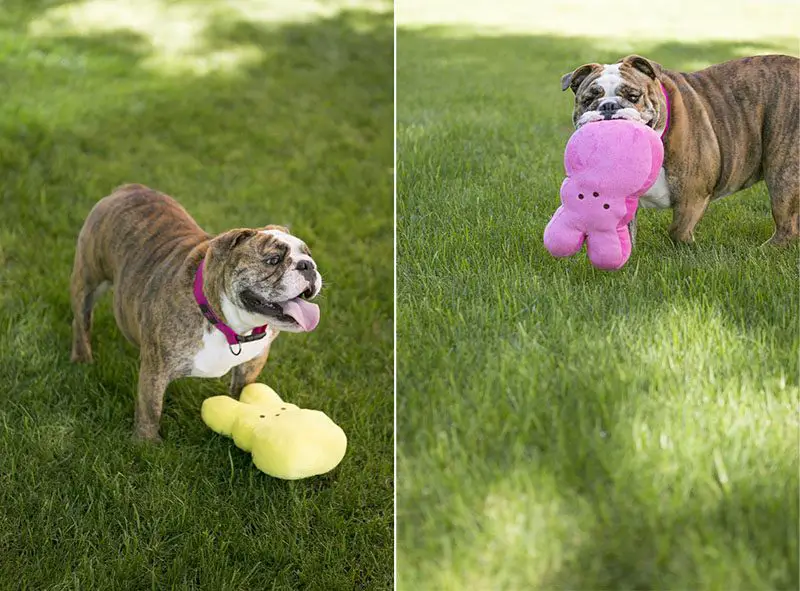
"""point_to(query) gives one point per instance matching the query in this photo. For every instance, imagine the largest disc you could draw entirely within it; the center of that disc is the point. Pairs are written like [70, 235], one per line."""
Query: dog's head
[629, 89]
[267, 276]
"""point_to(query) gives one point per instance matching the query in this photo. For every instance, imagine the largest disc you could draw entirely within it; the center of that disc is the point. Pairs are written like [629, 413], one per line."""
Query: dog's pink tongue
[304, 313]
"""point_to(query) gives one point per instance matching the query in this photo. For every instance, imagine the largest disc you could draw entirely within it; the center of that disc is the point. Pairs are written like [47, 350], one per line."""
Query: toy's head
[601, 207]
[286, 441]
[613, 158]
[297, 443]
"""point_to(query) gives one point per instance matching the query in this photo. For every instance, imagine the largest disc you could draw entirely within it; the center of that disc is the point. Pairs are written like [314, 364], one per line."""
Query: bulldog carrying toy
[609, 165]
[286, 441]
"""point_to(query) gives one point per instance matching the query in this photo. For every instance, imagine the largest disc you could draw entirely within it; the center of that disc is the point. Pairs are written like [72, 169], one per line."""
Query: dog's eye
[273, 260]
[634, 98]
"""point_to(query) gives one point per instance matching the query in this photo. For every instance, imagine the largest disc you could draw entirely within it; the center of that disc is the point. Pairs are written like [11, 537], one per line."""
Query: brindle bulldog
[195, 304]
[725, 128]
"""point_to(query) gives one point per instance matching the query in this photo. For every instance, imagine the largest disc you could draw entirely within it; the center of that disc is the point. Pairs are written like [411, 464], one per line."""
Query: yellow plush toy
[286, 441]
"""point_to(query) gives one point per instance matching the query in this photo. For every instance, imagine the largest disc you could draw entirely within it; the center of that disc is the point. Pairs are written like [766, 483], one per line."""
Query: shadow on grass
[489, 386]
[299, 134]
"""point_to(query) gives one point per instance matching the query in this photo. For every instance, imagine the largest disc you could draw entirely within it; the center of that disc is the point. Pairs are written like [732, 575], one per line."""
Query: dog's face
[629, 89]
[269, 273]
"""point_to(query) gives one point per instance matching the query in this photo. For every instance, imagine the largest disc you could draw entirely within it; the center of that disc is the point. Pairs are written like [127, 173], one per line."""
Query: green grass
[561, 427]
[299, 133]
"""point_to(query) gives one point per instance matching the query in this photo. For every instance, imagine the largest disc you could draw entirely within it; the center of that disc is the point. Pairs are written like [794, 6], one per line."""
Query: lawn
[561, 427]
[248, 118]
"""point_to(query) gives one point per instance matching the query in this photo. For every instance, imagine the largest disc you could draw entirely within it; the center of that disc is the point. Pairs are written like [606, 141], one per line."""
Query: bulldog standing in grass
[725, 128]
[195, 304]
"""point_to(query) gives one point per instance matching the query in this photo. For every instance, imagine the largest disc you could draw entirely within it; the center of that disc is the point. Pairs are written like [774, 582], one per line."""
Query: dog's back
[135, 217]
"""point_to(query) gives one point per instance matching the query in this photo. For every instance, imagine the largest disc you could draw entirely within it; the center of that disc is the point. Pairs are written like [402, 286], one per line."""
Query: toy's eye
[261, 416]
[283, 408]
[580, 195]
[596, 194]
[606, 206]
[278, 414]
[273, 260]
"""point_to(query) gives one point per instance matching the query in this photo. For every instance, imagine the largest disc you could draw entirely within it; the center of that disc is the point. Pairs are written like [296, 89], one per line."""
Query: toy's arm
[220, 413]
[562, 237]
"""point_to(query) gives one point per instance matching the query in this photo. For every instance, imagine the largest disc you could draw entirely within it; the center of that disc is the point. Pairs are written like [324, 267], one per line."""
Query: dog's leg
[247, 373]
[85, 288]
[632, 229]
[784, 193]
[153, 380]
[686, 213]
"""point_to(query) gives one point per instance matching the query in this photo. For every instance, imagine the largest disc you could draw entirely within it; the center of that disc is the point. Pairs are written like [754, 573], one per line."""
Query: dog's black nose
[608, 109]
[609, 106]
[305, 265]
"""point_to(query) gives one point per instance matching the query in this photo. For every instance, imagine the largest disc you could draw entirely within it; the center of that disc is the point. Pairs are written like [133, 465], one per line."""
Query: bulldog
[724, 128]
[194, 304]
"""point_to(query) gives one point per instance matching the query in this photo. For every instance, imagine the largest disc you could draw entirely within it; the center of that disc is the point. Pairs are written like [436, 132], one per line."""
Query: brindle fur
[732, 125]
[147, 245]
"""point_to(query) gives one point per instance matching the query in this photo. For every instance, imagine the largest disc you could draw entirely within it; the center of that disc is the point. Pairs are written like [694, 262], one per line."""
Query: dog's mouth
[297, 311]
[628, 114]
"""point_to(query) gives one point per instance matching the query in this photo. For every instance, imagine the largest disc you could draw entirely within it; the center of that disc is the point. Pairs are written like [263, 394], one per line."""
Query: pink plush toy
[609, 164]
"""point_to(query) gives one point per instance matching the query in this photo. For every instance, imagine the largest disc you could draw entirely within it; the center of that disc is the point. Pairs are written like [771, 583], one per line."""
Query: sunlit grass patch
[175, 31]
[681, 20]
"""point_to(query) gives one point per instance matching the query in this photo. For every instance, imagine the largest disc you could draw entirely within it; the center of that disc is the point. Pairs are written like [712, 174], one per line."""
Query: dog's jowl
[725, 128]
[195, 304]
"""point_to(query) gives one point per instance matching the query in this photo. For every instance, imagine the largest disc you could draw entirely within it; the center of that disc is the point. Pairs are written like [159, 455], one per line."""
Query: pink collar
[666, 100]
[230, 334]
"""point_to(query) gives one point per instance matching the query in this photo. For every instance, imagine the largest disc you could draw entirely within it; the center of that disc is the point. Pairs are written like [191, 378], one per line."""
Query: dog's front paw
[682, 237]
[81, 357]
[781, 239]
[147, 436]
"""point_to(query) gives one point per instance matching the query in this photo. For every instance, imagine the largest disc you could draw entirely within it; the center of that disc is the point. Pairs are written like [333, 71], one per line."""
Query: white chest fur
[215, 359]
[658, 195]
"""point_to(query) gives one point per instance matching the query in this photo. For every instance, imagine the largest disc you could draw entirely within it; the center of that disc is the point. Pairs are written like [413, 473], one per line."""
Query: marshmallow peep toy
[286, 441]
[609, 165]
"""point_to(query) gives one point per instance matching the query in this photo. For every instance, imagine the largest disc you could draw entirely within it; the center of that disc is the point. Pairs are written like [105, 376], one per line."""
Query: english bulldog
[194, 304]
[724, 128]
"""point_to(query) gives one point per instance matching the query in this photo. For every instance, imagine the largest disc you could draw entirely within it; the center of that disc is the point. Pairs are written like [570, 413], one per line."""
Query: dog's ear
[283, 229]
[573, 79]
[644, 65]
[233, 238]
